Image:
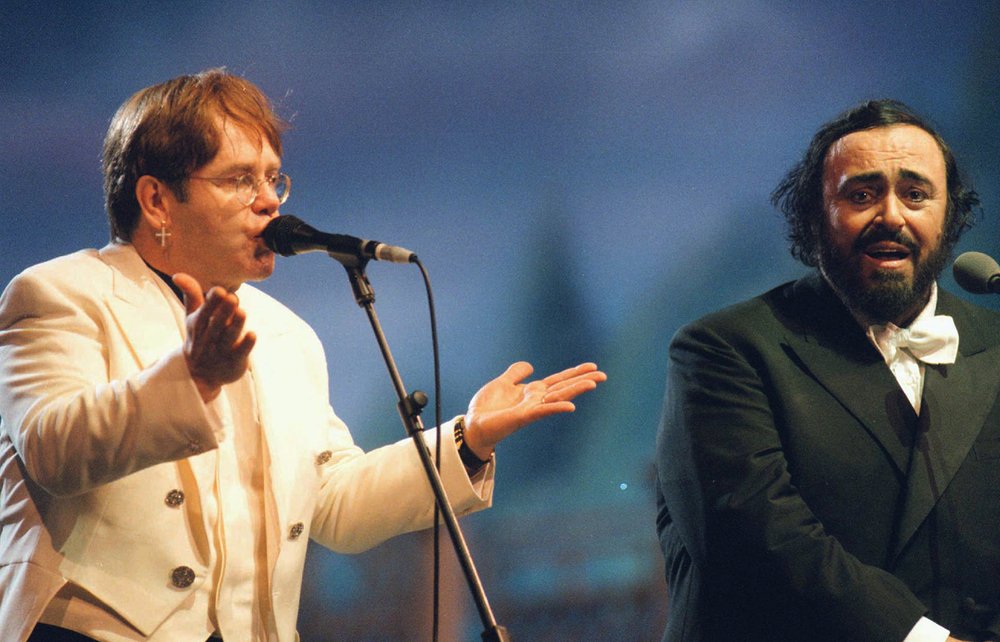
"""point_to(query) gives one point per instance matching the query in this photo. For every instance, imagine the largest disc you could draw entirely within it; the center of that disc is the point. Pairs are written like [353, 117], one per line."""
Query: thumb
[193, 296]
[517, 372]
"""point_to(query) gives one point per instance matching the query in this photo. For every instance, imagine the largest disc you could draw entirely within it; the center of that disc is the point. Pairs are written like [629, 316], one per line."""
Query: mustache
[880, 234]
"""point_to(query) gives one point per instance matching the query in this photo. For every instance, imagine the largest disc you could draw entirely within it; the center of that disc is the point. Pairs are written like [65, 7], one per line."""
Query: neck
[158, 258]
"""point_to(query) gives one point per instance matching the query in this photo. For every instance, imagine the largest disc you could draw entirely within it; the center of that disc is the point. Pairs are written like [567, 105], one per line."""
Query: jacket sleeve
[73, 425]
[726, 481]
[366, 498]
[357, 499]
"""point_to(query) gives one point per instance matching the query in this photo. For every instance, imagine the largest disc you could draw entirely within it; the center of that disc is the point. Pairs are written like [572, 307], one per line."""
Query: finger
[516, 373]
[548, 409]
[225, 308]
[565, 393]
[220, 309]
[243, 347]
[596, 377]
[204, 321]
[534, 392]
[193, 297]
[233, 328]
[569, 373]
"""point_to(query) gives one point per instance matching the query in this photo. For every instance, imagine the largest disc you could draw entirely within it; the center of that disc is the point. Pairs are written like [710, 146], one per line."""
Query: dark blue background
[580, 178]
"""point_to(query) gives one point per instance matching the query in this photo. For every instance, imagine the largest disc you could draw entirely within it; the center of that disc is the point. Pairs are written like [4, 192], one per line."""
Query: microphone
[288, 235]
[977, 273]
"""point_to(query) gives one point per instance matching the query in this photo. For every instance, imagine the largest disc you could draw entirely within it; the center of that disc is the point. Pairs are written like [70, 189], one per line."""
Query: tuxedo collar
[811, 309]
[831, 346]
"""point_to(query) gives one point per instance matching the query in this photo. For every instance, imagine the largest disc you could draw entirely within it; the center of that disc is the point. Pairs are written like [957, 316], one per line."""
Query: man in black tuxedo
[829, 456]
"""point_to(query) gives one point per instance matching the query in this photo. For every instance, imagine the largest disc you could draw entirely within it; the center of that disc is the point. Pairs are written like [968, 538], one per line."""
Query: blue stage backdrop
[580, 178]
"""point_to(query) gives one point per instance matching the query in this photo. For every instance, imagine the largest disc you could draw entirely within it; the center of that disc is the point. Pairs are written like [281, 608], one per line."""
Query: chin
[895, 279]
[262, 268]
[882, 293]
[260, 275]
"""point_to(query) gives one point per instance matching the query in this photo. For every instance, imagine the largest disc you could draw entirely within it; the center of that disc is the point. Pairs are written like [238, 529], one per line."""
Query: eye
[244, 181]
[916, 195]
[861, 196]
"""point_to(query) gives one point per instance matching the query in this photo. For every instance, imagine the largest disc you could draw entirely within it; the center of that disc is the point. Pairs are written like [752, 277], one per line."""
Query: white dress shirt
[909, 372]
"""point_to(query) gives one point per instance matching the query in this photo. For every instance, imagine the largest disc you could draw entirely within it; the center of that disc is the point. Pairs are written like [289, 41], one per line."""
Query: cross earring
[163, 234]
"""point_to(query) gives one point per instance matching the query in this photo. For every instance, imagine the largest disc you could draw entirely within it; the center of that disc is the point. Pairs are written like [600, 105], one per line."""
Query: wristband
[470, 459]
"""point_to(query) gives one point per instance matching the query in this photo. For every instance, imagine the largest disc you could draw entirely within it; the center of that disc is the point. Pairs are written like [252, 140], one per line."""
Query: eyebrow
[915, 176]
[868, 177]
[247, 168]
[878, 177]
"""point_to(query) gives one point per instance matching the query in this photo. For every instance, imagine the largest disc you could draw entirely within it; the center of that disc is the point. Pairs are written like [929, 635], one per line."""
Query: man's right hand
[216, 349]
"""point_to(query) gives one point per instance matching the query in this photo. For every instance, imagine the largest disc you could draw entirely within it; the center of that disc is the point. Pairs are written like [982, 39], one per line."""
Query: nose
[266, 202]
[891, 213]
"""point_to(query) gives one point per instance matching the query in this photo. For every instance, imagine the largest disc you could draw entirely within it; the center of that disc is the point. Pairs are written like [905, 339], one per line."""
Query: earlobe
[150, 194]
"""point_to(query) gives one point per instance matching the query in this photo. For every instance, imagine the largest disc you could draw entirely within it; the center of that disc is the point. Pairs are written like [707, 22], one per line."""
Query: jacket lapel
[957, 399]
[146, 318]
[830, 344]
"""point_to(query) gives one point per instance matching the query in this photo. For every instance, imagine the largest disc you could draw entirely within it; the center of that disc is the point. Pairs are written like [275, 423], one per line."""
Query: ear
[154, 199]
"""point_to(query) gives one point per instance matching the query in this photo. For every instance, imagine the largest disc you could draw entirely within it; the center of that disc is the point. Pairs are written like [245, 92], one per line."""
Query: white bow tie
[931, 340]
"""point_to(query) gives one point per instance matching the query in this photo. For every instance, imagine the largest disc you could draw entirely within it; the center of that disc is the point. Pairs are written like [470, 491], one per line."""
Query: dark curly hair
[799, 196]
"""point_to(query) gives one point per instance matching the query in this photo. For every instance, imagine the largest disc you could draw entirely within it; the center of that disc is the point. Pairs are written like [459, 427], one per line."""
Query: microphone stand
[409, 407]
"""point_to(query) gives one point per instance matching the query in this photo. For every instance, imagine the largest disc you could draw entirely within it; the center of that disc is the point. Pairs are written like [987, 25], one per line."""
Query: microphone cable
[436, 583]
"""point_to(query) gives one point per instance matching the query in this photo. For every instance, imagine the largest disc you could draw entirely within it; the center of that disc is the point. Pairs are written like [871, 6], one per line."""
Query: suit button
[182, 577]
[296, 530]
[174, 498]
[323, 457]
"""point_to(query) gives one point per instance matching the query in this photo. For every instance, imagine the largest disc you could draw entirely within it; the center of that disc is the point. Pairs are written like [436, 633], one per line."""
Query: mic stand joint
[411, 407]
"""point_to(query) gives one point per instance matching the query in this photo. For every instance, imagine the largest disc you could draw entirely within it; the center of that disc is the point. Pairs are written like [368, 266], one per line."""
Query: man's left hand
[505, 405]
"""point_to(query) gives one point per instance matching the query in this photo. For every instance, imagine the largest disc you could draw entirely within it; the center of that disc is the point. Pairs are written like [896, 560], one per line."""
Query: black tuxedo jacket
[801, 498]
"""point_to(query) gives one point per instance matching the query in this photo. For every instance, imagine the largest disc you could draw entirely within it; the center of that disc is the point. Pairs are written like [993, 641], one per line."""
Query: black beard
[890, 295]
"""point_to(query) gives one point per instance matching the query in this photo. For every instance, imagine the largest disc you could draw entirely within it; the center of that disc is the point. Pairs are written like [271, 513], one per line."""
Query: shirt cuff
[927, 631]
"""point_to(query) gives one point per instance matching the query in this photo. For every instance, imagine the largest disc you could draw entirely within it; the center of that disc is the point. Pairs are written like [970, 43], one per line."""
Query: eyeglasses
[247, 187]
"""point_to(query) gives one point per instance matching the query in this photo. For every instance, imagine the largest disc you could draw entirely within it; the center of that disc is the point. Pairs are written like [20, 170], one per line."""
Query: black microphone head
[977, 273]
[278, 235]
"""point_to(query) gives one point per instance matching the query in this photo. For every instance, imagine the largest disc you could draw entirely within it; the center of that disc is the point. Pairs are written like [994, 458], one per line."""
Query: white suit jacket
[101, 425]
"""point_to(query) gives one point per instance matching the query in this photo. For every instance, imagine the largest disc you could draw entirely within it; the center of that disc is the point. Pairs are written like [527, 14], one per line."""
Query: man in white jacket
[167, 445]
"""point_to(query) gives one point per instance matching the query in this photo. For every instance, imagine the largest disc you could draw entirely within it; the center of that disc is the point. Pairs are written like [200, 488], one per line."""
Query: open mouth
[887, 252]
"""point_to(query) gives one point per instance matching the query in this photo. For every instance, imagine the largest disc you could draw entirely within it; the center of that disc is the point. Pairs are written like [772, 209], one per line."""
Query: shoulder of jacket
[82, 269]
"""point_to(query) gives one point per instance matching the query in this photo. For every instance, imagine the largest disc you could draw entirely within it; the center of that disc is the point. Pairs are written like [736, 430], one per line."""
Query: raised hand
[216, 349]
[505, 405]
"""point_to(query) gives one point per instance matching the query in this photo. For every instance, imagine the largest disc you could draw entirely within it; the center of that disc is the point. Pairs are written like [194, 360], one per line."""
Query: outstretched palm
[504, 405]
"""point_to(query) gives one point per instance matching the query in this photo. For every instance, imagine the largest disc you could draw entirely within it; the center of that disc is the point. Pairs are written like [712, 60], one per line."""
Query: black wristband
[470, 459]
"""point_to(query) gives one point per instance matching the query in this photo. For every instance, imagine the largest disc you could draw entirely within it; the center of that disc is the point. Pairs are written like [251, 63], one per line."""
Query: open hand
[216, 349]
[504, 405]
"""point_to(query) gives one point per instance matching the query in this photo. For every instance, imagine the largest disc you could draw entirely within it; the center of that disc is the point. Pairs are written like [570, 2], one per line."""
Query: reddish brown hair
[169, 130]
